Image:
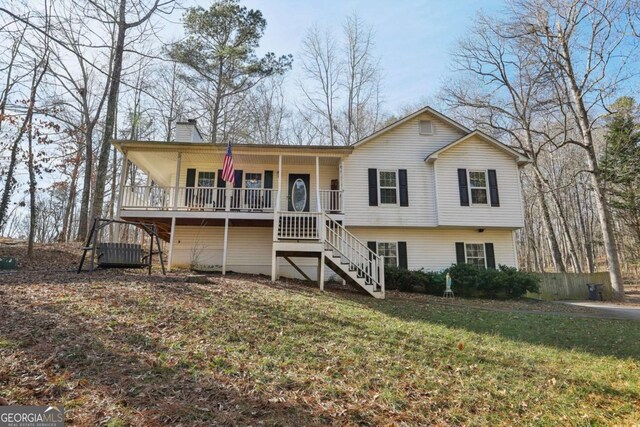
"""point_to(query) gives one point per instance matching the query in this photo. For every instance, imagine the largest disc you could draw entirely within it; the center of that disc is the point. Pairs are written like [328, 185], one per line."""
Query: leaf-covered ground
[126, 349]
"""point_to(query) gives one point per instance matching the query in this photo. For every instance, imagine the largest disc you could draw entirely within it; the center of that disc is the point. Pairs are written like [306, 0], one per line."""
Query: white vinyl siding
[249, 251]
[478, 155]
[399, 148]
[434, 249]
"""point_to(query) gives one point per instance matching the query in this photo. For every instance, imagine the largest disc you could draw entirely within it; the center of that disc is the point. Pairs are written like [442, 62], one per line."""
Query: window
[475, 254]
[253, 180]
[389, 250]
[478, 187]
[388, 187]
[206, 179]
[426, 127]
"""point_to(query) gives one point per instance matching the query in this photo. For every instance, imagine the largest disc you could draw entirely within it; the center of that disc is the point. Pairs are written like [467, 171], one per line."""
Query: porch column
[124, 170]
[321, 271]
[278, 202]
[176, 191]
[275, 274]
[318, 203]
[171, 240]
[227, 208]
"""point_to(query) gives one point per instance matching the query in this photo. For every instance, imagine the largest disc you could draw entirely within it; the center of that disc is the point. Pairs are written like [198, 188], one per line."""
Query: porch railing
[146, 197]
[149, 197]
[331, 200]
[298, 225]
[197, 198]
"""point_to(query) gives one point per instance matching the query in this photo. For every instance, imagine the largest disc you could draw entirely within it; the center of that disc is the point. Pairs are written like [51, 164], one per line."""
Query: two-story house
[424, 192]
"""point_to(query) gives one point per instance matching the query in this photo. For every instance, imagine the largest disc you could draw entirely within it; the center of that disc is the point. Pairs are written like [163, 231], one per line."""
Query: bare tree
[321, 72]
[360, 80]
[130, 14]
[503, 91]
[584, 47]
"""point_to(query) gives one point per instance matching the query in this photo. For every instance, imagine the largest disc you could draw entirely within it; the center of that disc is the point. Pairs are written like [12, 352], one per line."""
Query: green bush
[467, 281]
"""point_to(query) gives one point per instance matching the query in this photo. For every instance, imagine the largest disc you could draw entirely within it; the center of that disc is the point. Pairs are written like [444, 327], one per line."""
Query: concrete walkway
[613, 311]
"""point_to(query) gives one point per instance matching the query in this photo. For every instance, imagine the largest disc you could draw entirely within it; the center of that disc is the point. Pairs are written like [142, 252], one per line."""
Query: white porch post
[171, 240]
[176, 191]
[123, 180]
[227, 208]
[175, 207]
[321, 270]
[275, 267]
[318, 203]
[278, 202]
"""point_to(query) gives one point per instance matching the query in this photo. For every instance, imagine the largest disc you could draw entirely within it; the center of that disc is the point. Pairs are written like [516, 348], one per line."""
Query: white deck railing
[298, 225]
[197, 198]
[145, 197]
[331, 200]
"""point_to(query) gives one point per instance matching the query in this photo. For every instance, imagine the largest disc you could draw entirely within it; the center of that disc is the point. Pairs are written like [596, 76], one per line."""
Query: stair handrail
[370, 263]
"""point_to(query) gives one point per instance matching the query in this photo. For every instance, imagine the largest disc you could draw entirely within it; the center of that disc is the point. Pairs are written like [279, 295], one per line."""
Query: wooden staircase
[316, 234]
[351, 259]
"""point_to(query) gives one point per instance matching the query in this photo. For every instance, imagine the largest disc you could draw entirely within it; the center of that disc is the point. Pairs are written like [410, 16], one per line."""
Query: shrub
[467, 281]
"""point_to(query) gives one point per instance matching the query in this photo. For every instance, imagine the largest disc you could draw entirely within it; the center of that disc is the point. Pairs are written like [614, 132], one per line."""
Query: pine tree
[620, 167]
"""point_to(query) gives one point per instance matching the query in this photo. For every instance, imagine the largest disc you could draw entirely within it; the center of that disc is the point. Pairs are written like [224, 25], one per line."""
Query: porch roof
[270, 149]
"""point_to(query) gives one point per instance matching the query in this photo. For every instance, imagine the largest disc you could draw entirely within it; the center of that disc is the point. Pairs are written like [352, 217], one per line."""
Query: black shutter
[268, 186]
[404, 190]
[489, 254]
[190, 183]
[191, 178]
[373, 187]
[402, 255]
[268, 179]
[493, 188]
[460, 258]
[237, 176]
[464, 187]
[221, 185]
[373, 247]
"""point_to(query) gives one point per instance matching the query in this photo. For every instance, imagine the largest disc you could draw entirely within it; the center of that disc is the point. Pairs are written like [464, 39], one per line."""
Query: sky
[413, 38]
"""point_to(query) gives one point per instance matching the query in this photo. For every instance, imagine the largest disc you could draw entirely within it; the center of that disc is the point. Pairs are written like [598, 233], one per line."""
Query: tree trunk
[548, 226]
[112, 101]
[32, 191]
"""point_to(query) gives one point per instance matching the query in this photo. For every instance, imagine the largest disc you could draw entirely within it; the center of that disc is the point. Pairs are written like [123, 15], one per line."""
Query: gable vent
[426, 127]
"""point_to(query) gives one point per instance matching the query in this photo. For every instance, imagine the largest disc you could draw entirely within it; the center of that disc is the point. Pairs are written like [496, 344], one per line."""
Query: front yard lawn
[120, 349]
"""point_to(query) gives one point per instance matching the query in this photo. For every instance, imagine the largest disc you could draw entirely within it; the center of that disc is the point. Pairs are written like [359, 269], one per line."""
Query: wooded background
[556, 79]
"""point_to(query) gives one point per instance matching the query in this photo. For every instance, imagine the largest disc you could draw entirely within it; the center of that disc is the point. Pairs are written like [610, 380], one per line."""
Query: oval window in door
[299, 195]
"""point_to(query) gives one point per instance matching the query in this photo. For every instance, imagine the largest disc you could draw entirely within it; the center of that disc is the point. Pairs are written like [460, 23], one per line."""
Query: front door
[298, 193]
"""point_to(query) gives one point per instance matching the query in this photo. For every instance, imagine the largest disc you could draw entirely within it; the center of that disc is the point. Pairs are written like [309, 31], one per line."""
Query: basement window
[474, 253]
[389, 250]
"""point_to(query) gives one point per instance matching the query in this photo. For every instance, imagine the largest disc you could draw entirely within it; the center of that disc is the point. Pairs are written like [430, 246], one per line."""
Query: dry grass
[127, 349]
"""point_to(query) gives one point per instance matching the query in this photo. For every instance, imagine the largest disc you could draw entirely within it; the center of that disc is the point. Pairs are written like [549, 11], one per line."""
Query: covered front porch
[186, 178]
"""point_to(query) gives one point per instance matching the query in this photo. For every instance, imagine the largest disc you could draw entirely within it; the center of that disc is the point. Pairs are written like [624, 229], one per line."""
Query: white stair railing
[355, 254]
[298, 225]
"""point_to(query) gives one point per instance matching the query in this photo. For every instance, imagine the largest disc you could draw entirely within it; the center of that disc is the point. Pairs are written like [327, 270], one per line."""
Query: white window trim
[380, 202]
[244, 183]
[486, 187]
[198, 172]
[484, 251]
[420, 127]
[388, 241]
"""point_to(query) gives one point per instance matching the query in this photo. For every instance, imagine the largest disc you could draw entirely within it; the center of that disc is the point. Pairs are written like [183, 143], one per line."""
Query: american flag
[227, 167]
